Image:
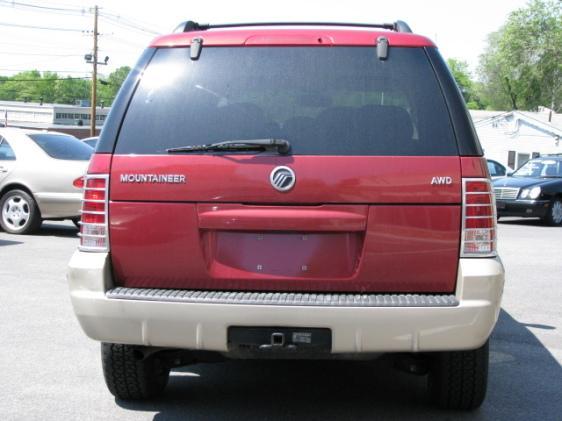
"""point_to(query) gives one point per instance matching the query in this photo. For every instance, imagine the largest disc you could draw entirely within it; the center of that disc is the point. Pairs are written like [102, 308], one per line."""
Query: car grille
[506, 193]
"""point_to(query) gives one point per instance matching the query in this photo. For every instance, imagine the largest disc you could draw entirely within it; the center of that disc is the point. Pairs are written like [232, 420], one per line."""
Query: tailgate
[382, 227]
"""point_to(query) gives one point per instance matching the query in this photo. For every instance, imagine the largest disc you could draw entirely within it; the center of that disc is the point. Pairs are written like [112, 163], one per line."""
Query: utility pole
[94, 76]
[93, 59]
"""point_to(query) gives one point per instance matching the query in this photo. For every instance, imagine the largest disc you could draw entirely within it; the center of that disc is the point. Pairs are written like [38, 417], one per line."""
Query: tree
[462, 76]
[21, 87]
[522, 65]
[47, 87]
[108, 88]
[69, 90]
[50, 87]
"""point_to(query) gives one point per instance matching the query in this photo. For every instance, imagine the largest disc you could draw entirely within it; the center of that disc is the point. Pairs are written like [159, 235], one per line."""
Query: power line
[48, 28]
[110, 17]
[58, 46]
[36, 6]
[127, 42]
[49, 71]
[12, 53]
[44, 80]
[125, 25]
[132, 22]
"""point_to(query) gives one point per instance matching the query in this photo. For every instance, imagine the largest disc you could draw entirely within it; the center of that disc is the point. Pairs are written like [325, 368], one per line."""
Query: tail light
[94, 234]
[478, 218]
[79, 183]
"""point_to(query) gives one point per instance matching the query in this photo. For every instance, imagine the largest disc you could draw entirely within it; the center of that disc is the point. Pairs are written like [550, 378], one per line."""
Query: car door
[7, 159]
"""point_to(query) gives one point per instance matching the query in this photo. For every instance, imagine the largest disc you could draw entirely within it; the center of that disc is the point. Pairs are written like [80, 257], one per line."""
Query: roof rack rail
[189, 26]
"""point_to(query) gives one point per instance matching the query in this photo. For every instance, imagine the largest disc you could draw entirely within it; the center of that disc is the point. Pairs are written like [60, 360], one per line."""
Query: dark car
[534, 190]
[498, 170]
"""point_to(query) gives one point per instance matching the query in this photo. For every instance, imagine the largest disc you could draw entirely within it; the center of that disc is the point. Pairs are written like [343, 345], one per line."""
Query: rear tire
[459, 379]
[130, 375]
[19, 213]
[554, 215]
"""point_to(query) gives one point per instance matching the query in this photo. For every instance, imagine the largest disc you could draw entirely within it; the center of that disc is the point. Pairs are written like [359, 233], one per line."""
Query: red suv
[289, 191]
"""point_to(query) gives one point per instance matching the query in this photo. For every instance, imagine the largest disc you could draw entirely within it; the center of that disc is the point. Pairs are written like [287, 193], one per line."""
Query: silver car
[39, 178]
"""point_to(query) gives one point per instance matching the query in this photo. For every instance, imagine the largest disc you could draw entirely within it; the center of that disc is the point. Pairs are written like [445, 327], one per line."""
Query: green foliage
[52, 88]
[108, 88]
[522, 65]
[69, 90]
[462, 76]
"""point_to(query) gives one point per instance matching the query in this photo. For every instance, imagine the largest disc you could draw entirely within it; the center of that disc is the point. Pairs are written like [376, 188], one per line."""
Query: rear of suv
[289, 191]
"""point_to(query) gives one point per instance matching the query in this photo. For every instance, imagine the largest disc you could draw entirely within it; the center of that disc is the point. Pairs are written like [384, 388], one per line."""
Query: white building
[513, 137]
[45, 116]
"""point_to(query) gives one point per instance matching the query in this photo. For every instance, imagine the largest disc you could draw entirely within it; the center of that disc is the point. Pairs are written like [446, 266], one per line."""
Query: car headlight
[535, 192]
[524, 193]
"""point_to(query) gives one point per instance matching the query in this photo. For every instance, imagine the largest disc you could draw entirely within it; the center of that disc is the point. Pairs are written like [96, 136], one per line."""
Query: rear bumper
[465, 323]
[523, 208]
[59, 205]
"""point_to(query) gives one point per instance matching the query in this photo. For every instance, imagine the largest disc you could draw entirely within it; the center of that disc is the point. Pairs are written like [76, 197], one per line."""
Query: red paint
[282, 218]
[474, 166]
[401, 249]
[320, 179]
[375, 228]
[292, 36]
[99, 164]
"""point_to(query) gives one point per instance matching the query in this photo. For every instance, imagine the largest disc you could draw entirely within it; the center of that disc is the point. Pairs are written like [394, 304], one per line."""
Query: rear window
[323, 100]
[60, 146]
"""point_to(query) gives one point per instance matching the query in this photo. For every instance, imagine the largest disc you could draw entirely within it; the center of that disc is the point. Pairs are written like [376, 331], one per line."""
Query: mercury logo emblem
[282, 178]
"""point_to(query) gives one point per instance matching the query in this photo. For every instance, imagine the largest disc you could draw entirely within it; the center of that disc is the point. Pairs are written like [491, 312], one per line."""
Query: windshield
[62, 146]
[540, 168]
[323, 101]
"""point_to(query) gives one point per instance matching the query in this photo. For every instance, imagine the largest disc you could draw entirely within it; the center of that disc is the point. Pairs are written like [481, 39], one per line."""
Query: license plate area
[263, 341]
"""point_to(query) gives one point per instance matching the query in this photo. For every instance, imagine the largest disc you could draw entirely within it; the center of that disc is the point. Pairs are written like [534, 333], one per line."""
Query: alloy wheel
[16, 212]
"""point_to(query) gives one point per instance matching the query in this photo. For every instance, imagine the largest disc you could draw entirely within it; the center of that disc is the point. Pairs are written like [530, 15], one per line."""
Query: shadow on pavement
[525, 383]
[9, 243]
[531, 222]
[54, 229]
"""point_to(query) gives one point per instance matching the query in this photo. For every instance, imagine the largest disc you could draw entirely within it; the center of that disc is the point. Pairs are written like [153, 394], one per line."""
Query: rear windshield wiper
[282, 146]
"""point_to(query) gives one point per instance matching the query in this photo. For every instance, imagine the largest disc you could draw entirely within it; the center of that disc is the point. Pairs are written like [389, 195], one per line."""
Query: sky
[458, 28]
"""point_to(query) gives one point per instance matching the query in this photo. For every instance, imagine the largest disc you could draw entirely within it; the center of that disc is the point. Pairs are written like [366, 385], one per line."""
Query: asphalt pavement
[49, 370]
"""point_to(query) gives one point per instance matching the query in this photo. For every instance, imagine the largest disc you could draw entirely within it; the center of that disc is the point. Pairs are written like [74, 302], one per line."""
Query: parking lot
[50, 370]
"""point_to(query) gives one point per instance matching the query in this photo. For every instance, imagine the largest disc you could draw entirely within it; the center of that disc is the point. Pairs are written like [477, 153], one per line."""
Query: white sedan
[40, 178]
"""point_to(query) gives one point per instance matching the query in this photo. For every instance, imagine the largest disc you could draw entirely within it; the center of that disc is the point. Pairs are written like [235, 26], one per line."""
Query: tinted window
[492, 169]
[540, 168]
[495, 169]
[61, 146]
[499, 169]
[6, 151]
[325, 101]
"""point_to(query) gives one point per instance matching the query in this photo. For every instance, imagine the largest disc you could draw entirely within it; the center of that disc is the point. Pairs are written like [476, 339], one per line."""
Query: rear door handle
[2, 169]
